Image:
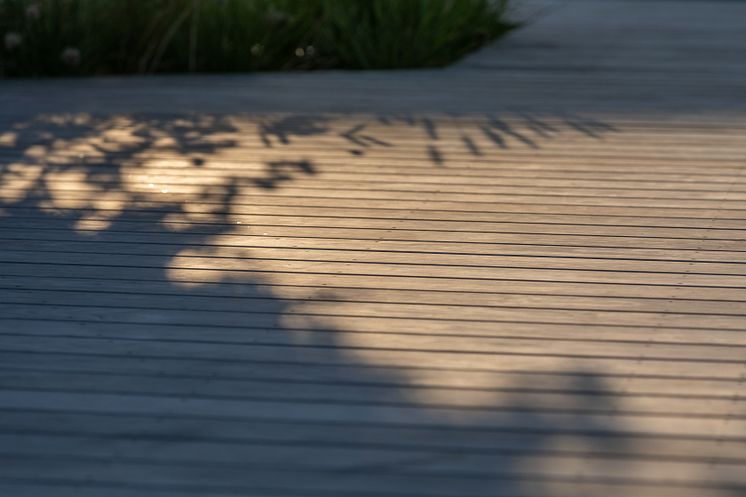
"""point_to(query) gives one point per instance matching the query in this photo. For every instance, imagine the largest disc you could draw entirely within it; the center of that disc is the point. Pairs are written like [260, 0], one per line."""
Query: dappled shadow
[523, 130]
[282, 130]
[161, 334]
[480, 136]
[281, 171]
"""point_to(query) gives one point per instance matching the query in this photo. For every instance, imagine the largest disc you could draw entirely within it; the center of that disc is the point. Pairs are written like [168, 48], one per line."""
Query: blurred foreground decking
[522, 276]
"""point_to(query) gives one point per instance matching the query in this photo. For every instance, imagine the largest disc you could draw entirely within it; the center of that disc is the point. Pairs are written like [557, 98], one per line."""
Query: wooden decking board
[382, 316]
[396, 264]
[462, 371]
[479, 185]
[303, 392]
[172, 179]
[391, 233]
[445, 224]
[521, 276]
[392, 252]
[274, 437]
[571, 295]
[137, 217]
[201, 269]
[386, 375]
[301, 384]
[460, 202]
[275, 453]
[196, 276]
[477, 312]
[113, 399]
[475, 252]
[722, 193]
[505, 349]
[478, 166]
[567, 336]
[209, 447]
[51, 347]
[398, 148]
[139, 211]
[665, 344]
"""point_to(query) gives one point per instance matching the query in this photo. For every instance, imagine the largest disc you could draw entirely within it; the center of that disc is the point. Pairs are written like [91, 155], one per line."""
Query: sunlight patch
[89, 227]
[20, 179]
[8, 139]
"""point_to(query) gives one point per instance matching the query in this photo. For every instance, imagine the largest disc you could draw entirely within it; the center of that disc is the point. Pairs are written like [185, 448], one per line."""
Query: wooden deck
[522, 276]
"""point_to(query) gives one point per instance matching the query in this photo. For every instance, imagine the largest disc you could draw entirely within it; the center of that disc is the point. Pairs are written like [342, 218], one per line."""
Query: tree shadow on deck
[481, 137]
[147, 350]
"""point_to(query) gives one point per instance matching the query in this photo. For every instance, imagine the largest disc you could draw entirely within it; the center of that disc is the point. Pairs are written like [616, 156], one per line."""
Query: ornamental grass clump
[89, 37]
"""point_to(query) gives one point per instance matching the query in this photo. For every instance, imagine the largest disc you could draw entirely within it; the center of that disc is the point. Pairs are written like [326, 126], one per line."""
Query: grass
[89, 37]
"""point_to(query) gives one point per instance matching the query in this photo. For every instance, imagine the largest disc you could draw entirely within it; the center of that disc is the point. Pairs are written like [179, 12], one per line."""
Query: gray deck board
[520, 276]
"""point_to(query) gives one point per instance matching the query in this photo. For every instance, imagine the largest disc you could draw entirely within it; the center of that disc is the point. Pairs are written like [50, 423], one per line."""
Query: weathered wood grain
[520, 276]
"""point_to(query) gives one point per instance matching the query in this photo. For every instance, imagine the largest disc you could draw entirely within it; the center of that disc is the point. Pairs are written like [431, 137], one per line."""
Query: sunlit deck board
[524, 275]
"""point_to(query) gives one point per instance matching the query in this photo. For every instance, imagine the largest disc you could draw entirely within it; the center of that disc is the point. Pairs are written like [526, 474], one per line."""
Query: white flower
[301, 52]
[12, 40]
[71, 56]
[33, 11]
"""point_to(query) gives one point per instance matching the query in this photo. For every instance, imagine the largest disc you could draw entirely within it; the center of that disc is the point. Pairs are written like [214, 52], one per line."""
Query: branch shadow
[148, 351]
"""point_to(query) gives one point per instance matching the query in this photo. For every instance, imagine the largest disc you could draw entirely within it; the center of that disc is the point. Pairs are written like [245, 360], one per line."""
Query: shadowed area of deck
[521, 276]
